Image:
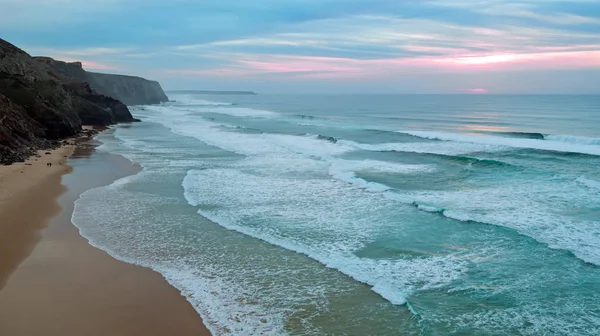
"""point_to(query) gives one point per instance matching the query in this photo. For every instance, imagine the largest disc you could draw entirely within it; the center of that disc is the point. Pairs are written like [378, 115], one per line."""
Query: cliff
[26, 83]
[43, 100]
[211, 92]
[128, 89]
[19, 133]
[95, 108]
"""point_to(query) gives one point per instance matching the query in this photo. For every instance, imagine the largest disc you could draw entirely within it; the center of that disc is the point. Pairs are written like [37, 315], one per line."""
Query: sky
[322, 46]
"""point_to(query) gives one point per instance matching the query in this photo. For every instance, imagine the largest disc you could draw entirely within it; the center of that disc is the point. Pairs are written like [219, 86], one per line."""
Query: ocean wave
[592, 184]
[548, 145]
[573, 139]
[243, 197]
[308, 117]
[216, 109]
[430, 147]
[522, 135]
[192, 100]
[327, 138]
[503, 206]
[281, 193]
[345, 170]
[214, 298]
[200, 102]
[238, 111]
[242, 129]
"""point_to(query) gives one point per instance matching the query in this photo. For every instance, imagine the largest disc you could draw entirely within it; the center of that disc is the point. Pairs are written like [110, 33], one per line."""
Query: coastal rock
[93, 108]
[25, 83]
[20, 135]
[43, 100]
[128, 89]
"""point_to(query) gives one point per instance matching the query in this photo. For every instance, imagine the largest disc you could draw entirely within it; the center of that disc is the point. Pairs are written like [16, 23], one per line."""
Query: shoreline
[30, 187]
[55, 282]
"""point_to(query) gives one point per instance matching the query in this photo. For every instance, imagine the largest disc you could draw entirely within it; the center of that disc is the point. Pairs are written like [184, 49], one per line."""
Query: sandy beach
[52, 282]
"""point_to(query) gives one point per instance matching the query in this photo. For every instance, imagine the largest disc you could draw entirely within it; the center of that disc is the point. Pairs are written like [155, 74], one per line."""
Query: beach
[52, 282]
[247, 216]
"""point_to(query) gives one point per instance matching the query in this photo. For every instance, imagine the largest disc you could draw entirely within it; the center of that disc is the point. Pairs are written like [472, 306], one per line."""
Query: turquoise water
[365, 214]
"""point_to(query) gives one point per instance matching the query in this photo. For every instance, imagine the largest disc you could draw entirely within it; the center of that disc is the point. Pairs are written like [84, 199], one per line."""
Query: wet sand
[28, 192]
[61, 285]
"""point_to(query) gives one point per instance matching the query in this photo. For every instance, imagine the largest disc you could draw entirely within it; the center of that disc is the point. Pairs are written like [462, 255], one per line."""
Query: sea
[363, 214]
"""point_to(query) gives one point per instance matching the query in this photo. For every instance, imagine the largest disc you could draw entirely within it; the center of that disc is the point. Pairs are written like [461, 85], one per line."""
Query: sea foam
[590, 147]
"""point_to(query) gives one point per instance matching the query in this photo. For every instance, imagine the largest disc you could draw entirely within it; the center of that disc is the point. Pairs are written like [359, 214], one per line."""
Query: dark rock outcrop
[27, 84]
[94, 108]
[128, 89]
[20, 134]
[43, 100]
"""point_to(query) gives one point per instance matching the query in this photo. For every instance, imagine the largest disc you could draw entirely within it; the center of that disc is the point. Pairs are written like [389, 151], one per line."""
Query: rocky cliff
[20, 134]
[43, 100]
[95, 107]
[128, 89]
[28, 85]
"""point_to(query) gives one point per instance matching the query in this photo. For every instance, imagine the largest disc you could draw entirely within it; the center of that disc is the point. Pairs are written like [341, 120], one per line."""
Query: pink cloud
[97, 66]
[218, 72]
[91, 65]
[310, 64]
[474, 91]
[312, 67]
[557, 60]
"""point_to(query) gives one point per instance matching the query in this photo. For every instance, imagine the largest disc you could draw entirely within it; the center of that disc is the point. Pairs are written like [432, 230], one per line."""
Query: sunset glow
[504, 45]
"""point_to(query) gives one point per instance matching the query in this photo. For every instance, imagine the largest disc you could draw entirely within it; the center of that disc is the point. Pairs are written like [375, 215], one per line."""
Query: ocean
[363, 214]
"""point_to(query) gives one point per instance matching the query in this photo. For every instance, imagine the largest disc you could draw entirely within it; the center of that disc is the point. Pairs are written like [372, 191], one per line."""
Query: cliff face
[128, 89]
[19, 133]
[43, 100]
[26, 83]
[95, 108]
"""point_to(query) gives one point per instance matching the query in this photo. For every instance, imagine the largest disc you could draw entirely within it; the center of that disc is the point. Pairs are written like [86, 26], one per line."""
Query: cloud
[90, 65]
[396, 45]
[81, 52]
[334, 41]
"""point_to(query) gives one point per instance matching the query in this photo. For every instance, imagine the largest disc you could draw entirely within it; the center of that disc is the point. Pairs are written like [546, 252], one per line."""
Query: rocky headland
[130, 90]
[43, 100]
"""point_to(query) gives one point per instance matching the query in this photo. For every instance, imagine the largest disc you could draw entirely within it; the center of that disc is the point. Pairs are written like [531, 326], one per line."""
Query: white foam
[239, 111]
[574, 139]
[442, 148]
[310, 216]
[281, 193]
[592, 184]
[499, 205]
[457, 215]
[104, 216]
[345, 170]
[523, 207]
[532, 319]
[191, 99]
[202, 106]
[549, 145]
[209, 103]
[380, 167]
[428, 208]
[250, 144]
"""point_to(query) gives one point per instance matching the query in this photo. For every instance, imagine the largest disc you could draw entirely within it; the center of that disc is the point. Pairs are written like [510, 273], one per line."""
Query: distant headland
[210, 92]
